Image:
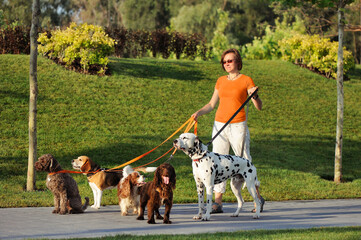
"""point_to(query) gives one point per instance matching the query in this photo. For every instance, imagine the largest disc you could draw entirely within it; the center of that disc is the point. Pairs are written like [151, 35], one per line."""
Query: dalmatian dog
[210, 168]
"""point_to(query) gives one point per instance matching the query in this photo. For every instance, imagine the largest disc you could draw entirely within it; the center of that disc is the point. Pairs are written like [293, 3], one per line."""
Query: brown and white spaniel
[128, 190]
[158, 192]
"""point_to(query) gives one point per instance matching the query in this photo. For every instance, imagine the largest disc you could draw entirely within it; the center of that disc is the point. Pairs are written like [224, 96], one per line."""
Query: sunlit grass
[115, 118]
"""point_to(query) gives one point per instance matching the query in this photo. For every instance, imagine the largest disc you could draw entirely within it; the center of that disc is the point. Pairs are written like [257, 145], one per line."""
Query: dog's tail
[147, 169]
[86, 204]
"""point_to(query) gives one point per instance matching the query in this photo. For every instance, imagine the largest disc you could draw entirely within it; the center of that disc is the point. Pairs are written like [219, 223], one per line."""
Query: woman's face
[229, 63]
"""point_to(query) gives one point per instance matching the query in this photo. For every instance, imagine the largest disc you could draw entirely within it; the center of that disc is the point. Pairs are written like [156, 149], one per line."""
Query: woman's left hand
[252, 90]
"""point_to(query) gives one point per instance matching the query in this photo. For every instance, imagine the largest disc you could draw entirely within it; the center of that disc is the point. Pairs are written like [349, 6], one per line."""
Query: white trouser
[231, 136]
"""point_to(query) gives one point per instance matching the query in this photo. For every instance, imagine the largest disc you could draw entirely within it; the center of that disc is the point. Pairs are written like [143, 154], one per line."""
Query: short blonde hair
[238, 58]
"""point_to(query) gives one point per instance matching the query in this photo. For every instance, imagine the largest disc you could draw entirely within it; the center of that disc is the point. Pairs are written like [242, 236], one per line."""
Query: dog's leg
[97, 193]
[123, 207]
[151, 208]
[56, 203]
[251, 186]
[143, 203]
[236, 186]
[200, 191]
[209, 190]
[168, 206]
[63, 202]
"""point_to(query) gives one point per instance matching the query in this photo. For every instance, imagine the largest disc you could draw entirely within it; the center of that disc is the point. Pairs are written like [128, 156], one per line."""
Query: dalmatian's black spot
[250, 170]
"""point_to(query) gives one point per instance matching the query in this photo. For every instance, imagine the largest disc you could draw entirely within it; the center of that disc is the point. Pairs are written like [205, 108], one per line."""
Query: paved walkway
[23, 223]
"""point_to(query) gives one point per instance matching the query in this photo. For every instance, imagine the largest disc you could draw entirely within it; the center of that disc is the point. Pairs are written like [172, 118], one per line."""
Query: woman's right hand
[195, 115]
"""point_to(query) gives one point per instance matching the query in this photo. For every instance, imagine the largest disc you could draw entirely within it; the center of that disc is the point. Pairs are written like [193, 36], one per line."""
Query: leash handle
[239, 109]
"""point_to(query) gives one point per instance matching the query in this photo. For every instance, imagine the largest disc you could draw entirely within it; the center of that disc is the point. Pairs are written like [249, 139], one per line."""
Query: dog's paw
[62, 212]
[197, 217]
[124, 214]
[140, 218]
[256, 216]
[167, 221]
[151, 221]
[94, 206]
[55, 211]
[206, 218]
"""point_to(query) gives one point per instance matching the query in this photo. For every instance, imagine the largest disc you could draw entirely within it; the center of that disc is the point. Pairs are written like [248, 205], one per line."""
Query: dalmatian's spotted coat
[210, 168]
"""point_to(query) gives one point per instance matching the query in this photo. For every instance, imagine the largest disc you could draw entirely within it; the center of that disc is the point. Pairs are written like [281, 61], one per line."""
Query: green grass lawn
[345, 233]
[116, 118]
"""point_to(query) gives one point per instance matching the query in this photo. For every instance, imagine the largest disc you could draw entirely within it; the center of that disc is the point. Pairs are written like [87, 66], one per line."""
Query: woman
[231, 91]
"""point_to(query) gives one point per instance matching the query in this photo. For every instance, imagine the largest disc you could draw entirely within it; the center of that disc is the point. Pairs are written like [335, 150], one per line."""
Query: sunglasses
[229, 61]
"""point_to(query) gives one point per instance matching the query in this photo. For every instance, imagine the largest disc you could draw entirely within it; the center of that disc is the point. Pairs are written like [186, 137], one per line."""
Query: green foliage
[198, 18]
[316, 53]
[145, 14]
[220, 41]
[14, 39]
[86, 44]
[266, 47]
[140, 43]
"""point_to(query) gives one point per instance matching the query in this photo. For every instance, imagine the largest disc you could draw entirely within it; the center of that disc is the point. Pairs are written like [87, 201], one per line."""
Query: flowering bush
[84, 44]
[316, 53]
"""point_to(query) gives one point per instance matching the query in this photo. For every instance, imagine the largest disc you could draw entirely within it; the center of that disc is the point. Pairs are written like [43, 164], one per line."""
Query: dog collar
[195, 160]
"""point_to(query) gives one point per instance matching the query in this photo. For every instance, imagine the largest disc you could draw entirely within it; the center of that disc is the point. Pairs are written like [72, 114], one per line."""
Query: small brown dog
[129, 190]
[62, 185]
[158, 192]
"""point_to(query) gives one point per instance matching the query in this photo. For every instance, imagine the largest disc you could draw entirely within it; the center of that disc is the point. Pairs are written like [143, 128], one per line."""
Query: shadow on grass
[355, 74]
[310, 154]
[153, 69]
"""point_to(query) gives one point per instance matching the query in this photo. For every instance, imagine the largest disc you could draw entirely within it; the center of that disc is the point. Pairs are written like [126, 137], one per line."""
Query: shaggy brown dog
[62, 185]
[158, 192]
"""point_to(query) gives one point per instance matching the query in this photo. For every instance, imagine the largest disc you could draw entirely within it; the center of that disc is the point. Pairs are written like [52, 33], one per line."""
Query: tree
[145, 14]
[104, 13]
[340, 5]
[30, 186]
[54, 12]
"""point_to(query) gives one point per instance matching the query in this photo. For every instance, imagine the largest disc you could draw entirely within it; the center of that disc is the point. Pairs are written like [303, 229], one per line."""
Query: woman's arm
[208, 107]
[257, 102]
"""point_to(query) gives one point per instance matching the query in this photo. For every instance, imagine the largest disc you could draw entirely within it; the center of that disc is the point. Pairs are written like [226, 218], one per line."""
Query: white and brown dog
[129, 190]
[210, 168]
[99, 179]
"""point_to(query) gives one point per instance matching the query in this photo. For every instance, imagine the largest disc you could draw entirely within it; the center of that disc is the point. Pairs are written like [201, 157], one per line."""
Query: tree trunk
[30, 186]
[340, 95]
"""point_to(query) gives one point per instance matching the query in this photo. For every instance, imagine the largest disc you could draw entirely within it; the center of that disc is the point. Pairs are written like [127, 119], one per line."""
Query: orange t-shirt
[232, 94]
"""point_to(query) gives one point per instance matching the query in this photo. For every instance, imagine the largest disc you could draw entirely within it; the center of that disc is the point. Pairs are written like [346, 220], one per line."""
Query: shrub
[14, 40]
[84, 44]
[316, 53]
[266, 47]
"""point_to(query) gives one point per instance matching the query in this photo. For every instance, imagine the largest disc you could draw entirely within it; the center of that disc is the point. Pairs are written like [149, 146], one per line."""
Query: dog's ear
[53, 163]
[172, 177]
[157, 176]
[126, 187]
[87, 166]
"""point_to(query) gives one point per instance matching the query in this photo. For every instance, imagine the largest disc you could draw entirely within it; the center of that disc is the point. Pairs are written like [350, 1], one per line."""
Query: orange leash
[190, 121]
[68, 171]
